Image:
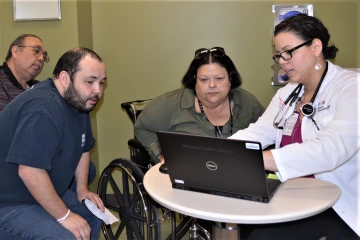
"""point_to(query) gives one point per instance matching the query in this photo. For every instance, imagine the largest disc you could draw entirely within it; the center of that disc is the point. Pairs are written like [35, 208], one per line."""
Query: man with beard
[45, 139]
[24, 61]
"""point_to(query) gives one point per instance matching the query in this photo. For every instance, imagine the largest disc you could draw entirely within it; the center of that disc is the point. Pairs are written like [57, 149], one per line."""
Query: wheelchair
[121, 189]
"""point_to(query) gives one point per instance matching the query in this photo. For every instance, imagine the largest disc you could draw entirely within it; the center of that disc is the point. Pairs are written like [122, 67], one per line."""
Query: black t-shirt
[39, 129]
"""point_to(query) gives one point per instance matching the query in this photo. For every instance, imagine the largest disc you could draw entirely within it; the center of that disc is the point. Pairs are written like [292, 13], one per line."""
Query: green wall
[148, 45]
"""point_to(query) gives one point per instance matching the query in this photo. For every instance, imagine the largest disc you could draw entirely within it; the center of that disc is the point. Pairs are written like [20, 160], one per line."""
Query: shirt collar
[187, 98]
[13, 79]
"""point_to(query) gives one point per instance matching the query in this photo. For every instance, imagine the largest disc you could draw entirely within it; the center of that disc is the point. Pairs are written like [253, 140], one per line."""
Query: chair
[138, 153]
[121, 189]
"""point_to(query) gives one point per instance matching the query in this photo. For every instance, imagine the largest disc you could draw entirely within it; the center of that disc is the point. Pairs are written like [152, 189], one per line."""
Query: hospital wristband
[61, 220]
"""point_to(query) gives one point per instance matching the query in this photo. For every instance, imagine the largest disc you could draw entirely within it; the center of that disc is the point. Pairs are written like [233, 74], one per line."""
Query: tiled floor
[165, 231]
[118, 176]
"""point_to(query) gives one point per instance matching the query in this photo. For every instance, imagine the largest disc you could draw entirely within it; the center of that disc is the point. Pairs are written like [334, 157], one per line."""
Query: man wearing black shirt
[24, 61]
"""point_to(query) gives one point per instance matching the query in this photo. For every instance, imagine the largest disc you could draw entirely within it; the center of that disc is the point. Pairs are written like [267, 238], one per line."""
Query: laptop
[218, 166]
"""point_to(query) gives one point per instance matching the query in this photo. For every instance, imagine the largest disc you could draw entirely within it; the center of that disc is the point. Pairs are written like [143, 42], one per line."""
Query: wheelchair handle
[128, 104]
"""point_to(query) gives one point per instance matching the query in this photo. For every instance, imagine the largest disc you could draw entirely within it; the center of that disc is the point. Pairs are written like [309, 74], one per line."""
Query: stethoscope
[307, 109]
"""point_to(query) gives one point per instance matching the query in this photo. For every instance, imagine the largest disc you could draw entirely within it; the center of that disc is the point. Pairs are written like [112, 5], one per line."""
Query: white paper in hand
[106, 216]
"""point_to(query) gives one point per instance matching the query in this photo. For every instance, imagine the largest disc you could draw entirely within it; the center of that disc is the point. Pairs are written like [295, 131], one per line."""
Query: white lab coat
[331, 154]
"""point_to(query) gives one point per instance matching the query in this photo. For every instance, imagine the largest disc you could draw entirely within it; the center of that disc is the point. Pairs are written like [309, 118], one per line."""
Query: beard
[78, 102]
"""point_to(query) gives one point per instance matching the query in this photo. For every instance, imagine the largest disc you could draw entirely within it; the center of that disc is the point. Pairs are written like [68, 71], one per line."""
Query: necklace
[218, 129]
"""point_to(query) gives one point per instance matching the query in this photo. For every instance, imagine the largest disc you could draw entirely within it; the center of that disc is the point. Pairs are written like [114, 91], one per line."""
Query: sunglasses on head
[202, 52]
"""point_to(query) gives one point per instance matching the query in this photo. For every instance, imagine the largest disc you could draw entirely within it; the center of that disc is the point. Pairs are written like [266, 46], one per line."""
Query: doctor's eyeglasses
[202, 52]
[286, 55]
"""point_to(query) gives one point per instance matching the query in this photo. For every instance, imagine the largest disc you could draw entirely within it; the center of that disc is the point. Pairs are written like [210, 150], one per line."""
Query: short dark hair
[18, 42]
[308, 28]
[70, 60]
[189, 80]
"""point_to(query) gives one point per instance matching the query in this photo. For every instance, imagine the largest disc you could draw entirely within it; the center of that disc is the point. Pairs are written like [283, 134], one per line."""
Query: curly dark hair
[308, 28]
[189, 80]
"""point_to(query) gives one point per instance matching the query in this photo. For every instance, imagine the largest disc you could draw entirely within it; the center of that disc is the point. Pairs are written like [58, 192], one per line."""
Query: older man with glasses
[24, 61]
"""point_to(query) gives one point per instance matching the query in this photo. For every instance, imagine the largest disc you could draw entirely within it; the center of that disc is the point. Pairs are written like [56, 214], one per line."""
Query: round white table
[295, 199]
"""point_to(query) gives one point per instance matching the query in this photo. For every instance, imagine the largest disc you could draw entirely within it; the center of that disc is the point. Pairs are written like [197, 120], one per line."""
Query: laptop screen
[215, 165]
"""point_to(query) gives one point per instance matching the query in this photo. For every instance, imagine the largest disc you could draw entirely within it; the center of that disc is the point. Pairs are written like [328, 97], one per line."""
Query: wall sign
[27, 10]
[281, 12]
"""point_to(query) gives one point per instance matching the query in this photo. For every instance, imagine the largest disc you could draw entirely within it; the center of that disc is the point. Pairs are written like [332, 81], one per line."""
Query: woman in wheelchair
[210, 103]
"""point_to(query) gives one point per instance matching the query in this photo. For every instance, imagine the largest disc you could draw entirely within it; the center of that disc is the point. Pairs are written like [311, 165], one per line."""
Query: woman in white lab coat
[314, 123]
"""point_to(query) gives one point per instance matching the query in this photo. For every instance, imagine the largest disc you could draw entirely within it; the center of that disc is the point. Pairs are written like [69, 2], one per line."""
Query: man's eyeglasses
[202, 52]
[38, 50]
[286, 55]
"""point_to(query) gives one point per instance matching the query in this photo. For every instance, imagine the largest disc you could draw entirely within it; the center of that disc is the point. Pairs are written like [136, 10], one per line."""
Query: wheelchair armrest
[136, 144]
[140, 155]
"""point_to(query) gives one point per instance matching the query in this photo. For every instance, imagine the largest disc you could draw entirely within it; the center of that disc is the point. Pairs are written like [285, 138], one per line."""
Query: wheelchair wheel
[121, 189]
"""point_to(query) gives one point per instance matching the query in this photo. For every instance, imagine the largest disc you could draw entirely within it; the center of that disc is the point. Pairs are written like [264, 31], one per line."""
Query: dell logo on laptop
[211, 165]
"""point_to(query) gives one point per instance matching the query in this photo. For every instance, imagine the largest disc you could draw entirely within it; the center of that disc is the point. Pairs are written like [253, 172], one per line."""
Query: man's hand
[77, 226]
[81, 176]
[93, 197]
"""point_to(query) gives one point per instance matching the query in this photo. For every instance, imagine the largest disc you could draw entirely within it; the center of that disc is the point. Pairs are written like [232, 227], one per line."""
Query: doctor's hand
[269, 161]
[162, 159]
